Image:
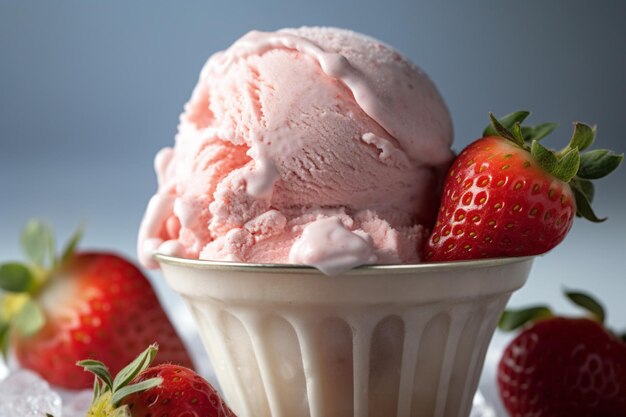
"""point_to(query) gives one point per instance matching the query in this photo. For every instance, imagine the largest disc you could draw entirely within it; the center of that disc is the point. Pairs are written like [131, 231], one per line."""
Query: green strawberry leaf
[538, 132]
[544, 156]
[505, 132]
[583, 136]
[16, 277]
[586, 187]
[567, 165]
[507, 122]
[587, 302]
[583, 207]
[38, 242]
[30, 319]
[98, 369]
[125, 391]
[140, 363]
[513, 319]
[598, 163]
[71, 245]
[5, 329]
[97, 388]
[517, 132]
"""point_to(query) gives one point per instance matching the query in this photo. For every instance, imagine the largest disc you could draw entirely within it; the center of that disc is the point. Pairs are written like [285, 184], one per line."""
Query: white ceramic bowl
[378, 341]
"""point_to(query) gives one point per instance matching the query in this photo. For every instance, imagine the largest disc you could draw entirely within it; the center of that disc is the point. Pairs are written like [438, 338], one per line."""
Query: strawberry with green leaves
[561, 366]
[56, 311]
[508, 195]
[141, 390]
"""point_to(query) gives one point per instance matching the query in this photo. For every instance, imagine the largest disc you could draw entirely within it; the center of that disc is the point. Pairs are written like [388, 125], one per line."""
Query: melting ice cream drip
[330, 247]
[260, 181]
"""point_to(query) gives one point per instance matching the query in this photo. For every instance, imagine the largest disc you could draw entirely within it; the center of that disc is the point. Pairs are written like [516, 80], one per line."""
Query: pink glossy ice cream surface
[315, 146]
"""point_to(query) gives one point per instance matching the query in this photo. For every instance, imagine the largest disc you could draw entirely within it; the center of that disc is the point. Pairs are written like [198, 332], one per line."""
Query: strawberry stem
[113, 391]
[568, 164]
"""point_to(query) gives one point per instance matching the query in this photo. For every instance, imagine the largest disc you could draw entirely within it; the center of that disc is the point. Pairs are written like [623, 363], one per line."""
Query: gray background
[90, 91]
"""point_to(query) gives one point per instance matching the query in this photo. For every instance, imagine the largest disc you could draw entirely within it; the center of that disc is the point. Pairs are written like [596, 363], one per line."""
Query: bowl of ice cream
[385, 340]
[291, 216]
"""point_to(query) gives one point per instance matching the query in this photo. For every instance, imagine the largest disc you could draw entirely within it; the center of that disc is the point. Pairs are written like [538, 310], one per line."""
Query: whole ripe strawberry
[55, 312]
[508, 195]
[140, 390]
[563, 366]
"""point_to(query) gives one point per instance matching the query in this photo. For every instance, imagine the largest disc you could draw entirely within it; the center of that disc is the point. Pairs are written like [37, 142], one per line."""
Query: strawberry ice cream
[314, 146]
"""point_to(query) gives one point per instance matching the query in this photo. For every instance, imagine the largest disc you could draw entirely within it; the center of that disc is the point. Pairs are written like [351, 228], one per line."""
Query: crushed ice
[25, 394]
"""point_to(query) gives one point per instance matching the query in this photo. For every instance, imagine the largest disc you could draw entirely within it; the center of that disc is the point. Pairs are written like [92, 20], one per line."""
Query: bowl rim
[364, 269]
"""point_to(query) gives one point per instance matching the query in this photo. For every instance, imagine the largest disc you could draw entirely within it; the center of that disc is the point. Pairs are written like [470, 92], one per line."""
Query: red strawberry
[182, 390]
[95, 305]
[164, 390]
[563, 366]
[504, 197]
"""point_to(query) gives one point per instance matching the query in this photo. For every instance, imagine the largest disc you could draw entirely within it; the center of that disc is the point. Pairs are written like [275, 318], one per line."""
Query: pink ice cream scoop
[315, 146]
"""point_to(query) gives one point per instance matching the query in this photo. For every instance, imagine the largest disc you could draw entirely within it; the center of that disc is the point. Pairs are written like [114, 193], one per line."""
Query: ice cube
[25, 394]
[76, 405]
